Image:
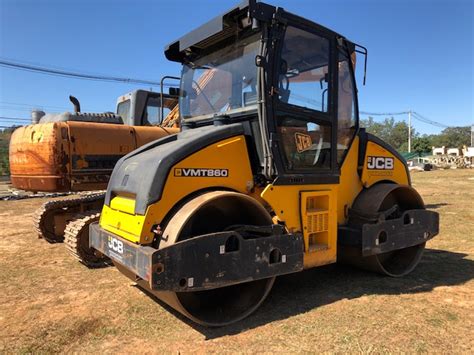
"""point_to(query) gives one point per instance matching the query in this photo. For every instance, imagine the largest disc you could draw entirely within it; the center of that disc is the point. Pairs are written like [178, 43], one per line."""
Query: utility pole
[409, 131]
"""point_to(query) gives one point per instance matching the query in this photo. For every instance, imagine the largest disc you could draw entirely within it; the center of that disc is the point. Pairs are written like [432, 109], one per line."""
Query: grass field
[51, 303]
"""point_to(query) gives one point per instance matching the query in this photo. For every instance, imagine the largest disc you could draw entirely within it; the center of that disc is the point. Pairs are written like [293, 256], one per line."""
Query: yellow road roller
[270, 175]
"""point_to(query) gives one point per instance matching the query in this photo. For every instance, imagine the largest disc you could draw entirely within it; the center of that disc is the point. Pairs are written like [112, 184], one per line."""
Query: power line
[421, 118]
[75, 74]
[6, 108]
[384, 113]
[33, 105]
[42, 108]
[3, 118]
[29, 107]
[78, 75]
[415, 115]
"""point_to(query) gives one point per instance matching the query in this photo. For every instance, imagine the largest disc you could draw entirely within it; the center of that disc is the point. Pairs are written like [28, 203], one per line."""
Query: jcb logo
[115, 245]
[303, 142]
[380, 163]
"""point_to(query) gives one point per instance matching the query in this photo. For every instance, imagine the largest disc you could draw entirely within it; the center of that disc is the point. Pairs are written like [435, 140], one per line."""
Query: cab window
[123, 110]
[346, 115]
[303, 121]
[304, 64]
[151, 116]
[306, 144]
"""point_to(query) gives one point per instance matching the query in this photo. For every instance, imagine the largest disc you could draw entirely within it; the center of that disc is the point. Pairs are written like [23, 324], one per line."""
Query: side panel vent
[318, 219]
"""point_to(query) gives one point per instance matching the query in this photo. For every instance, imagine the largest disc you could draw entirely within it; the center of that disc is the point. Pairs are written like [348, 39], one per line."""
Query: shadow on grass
[301, 292]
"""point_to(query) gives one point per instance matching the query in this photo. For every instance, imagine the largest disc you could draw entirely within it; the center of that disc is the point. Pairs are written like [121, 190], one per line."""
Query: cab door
[304, 110]
[304, 193]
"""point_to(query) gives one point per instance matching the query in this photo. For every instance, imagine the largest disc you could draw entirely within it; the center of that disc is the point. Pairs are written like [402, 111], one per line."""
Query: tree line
[395, 133]
[4, 142]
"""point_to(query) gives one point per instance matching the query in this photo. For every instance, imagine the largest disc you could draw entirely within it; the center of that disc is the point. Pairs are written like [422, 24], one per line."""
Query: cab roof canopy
[226, 27]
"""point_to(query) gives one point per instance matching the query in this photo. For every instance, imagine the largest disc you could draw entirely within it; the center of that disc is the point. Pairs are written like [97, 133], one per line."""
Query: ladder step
[318, 247]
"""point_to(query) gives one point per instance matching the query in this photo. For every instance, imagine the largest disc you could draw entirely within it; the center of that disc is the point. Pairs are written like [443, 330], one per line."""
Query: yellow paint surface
[230, 154]
[316, 220]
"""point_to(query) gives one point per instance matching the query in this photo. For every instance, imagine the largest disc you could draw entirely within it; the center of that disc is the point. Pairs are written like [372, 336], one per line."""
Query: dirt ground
[51, 303]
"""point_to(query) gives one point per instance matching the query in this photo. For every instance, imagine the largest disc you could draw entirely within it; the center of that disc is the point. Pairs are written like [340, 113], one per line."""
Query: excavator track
[51, 218]
[76, 239]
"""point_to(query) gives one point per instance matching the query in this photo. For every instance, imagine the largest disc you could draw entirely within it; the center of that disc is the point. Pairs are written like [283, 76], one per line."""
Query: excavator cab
[270, 175]
[144, 108]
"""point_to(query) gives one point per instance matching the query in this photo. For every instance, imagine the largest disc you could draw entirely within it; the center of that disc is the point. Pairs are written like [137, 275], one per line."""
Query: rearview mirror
[174, 91]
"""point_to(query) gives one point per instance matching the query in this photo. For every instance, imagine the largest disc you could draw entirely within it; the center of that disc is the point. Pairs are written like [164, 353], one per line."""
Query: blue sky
[420, 51]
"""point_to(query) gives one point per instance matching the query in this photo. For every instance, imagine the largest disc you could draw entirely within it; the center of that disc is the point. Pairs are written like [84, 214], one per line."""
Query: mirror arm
[162, 82]
[324, 94]
[362, 50]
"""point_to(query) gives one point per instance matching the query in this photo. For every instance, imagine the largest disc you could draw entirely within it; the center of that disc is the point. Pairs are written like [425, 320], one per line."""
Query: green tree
[455, 137]
[451, 137]
[399, 135]
[393, 132]
[421, 145]
[4, 142]
[396, 134]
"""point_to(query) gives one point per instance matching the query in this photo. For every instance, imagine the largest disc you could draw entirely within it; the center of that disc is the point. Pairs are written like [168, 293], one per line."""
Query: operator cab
[143, 108]
[291, 79]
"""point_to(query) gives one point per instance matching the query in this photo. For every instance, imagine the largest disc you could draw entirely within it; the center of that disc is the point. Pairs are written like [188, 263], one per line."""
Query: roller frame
[423, 225]
[202, 263]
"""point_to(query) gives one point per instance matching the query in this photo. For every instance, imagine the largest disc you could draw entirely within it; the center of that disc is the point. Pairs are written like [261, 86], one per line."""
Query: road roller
[270, 175]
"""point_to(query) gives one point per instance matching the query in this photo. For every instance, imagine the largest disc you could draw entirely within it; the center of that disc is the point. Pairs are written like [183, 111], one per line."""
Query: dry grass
[51, 303]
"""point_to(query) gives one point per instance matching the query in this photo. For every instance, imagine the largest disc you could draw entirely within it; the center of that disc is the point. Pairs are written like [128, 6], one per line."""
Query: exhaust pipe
[36, 116]
[75, 102]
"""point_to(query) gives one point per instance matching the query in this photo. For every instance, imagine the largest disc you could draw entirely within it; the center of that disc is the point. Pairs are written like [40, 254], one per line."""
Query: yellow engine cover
[229, 163]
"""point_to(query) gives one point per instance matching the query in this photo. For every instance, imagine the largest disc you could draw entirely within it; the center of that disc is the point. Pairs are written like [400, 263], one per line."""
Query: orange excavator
[76, 152]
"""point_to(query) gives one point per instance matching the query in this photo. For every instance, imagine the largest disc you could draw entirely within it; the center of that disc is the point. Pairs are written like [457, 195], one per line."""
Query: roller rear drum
[380, 198]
